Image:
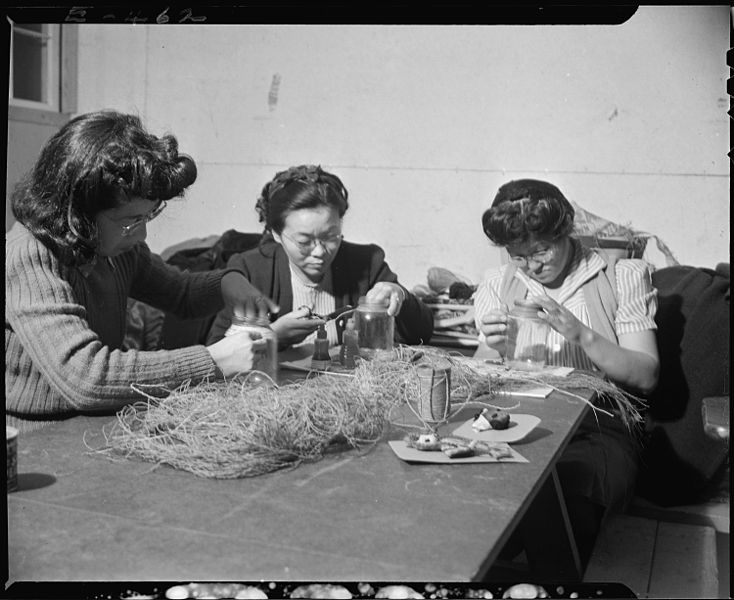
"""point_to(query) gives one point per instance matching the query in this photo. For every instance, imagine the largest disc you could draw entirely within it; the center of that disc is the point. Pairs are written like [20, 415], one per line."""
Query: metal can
[265, 343]
[434, 395]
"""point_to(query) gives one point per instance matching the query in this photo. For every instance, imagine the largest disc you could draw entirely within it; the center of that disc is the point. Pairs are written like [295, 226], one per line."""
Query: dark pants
[597, 472]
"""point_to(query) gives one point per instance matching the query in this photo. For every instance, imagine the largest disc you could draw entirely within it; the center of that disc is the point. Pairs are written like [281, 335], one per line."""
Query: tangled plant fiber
[242, 428]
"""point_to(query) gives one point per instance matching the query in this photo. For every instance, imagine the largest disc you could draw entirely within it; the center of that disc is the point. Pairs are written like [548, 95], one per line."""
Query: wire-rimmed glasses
[306, 247]
[128, 230]
[542, 257]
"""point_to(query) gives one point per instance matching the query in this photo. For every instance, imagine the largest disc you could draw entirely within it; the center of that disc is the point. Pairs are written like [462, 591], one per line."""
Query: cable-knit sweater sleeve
[57, 360]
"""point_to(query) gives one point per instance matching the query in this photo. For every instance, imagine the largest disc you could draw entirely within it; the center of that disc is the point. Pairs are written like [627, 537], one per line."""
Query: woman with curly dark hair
[304, 265]
[75, 255]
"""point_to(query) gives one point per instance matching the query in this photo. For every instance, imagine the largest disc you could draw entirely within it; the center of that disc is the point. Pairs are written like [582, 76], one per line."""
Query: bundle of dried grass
[242, 428]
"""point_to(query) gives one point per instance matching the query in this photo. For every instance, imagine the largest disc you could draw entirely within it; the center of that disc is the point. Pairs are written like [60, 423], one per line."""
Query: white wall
[423, 123]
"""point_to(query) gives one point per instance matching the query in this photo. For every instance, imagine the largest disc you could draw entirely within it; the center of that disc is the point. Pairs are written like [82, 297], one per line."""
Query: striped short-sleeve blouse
[636, 299]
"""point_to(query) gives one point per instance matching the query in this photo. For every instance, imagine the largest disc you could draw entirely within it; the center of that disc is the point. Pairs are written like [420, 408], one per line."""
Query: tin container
[265, 344]
[526, 337]
[11, 444]
[434, 396]
[375, 328]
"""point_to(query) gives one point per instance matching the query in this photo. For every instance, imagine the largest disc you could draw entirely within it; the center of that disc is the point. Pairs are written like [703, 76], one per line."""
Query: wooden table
[353, 516]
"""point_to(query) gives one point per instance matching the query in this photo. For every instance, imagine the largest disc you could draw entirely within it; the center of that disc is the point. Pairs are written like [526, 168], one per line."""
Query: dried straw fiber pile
[241, 428]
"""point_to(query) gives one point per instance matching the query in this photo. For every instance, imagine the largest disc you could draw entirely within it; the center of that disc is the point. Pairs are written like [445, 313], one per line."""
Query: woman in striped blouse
[601, 317]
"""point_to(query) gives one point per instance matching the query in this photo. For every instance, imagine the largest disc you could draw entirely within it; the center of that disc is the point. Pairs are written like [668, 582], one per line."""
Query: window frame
[51, 56]
[64, 63]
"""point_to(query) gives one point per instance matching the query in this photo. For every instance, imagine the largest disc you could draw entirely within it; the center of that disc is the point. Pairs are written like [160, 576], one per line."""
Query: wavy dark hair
[527, 209]
[97, 161]
[304, 186]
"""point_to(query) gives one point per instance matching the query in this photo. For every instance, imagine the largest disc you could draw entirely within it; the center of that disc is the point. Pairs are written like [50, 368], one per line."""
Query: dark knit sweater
[64, 328]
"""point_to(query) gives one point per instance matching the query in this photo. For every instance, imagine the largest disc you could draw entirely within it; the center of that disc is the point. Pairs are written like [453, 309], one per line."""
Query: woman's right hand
[494, 327]
[243, 299]
[295, 326]
[235, 353]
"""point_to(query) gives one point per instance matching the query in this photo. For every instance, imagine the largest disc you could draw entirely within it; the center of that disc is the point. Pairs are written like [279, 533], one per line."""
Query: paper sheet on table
[299, 359]
[530, 389]
[527, 390]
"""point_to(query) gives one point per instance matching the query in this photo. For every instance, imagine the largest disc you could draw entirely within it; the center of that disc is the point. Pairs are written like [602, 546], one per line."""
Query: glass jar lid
[250, 321]
[376, 305]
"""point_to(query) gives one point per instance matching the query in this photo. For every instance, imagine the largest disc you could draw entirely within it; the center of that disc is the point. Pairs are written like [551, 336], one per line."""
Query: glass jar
[375, 328]
[264, 344]
[526, 337]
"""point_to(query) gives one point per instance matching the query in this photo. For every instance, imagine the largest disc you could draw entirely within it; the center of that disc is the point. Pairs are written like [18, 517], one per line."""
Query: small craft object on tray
[495, 419]
[432, 448]
[508, 427]
[456, 447]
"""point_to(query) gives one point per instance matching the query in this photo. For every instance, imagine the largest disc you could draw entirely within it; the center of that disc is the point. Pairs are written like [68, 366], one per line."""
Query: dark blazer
[355, 270]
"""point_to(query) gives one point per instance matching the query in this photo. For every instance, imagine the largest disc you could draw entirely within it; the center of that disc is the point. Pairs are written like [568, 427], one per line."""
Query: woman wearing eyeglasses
[75, 255]
[601, 316]
[306, 268]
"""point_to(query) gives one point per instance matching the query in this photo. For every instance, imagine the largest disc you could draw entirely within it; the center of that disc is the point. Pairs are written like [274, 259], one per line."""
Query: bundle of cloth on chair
[680, 462]
[179, 333]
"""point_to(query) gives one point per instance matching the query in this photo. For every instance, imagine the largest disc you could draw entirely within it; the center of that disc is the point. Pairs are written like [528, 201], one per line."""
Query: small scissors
[333, 315]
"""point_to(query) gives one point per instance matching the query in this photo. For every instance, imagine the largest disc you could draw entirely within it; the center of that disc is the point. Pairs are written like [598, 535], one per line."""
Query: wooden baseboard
[711, 514]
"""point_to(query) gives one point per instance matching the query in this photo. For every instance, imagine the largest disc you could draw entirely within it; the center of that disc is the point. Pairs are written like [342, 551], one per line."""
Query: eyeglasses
[542, 257]
[128, 230]
[327, 243]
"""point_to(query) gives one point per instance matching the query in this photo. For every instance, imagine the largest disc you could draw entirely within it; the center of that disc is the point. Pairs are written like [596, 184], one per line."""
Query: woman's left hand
[243, 298]
[560, 318]
[392, 292]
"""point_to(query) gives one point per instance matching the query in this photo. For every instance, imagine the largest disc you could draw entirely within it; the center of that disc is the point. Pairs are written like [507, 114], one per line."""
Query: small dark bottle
[321, 358]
